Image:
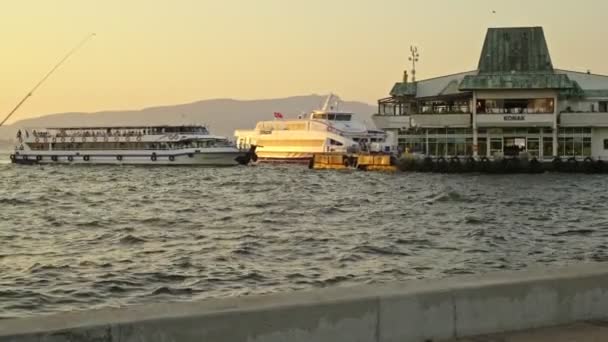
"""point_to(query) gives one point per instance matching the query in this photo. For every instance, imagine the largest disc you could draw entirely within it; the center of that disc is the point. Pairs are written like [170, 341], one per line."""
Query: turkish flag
[278, 115]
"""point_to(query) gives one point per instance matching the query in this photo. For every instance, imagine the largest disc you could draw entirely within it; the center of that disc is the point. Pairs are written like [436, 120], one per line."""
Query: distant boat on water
[135, 145]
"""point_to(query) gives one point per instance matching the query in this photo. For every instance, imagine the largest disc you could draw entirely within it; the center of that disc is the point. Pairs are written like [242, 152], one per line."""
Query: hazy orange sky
[157, 52]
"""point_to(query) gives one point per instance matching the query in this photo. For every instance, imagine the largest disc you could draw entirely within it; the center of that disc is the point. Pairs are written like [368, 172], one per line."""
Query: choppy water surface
[74, 238]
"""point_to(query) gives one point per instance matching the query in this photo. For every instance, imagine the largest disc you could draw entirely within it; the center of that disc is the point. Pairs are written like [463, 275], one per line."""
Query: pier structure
[574, 297]
[515, 102]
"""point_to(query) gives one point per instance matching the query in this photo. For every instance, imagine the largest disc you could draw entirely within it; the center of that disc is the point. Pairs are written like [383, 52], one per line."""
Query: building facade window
[574, 142]
[516, 106]
[547, 147]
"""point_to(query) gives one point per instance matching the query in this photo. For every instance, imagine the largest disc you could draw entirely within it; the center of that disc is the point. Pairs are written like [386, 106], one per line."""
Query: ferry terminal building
[516, 101]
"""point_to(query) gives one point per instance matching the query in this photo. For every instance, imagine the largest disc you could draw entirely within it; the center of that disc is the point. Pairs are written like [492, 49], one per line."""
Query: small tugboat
[137, 145]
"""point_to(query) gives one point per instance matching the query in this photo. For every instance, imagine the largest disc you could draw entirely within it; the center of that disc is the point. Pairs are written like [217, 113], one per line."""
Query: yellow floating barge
[364, 162]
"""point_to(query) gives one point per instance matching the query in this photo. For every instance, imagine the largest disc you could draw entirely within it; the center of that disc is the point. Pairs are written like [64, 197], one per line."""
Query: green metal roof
[404, 89]
[517, 58]
[515, 50]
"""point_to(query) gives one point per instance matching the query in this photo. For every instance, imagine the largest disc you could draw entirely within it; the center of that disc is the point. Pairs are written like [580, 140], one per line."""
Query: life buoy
[86, 158]
[45, 139]
[54, 158]
[25, 158]
[117, 138]
[72, 139]
[37, 139]
[105, 139]
[38, 158]
[128, 138]
[54, 139]
[119, 158]
[94, 139]
[84, 139]
[172, 158]
[70, 158]
[12, 157]
[62, 139]
[153, 157]
[139, 138]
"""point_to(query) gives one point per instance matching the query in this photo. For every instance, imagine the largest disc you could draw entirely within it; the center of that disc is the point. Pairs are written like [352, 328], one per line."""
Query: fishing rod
[69, 54]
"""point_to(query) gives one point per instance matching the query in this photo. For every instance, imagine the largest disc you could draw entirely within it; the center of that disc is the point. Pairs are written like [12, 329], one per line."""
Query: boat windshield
[343, 117]
[332, 117]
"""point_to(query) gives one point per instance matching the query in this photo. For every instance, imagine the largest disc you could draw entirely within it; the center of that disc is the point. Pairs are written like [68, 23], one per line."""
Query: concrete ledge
[413, 311]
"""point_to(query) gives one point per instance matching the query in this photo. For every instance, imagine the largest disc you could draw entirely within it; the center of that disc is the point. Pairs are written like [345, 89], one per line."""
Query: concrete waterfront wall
[427, 310]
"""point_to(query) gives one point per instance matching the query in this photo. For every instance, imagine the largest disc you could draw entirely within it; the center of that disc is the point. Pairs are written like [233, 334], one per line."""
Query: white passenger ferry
[154, 145]
[325, 130]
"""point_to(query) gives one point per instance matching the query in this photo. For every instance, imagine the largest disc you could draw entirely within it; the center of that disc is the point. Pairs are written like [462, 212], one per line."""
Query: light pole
[414, 58]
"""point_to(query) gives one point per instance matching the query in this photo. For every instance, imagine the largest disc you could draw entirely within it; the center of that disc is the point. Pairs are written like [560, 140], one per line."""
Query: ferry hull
[225, 158]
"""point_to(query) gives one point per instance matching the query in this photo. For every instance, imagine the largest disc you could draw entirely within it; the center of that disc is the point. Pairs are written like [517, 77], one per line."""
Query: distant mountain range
[222, 116]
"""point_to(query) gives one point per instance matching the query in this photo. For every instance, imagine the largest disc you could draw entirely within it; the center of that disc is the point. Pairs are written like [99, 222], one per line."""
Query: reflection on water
[77, 237]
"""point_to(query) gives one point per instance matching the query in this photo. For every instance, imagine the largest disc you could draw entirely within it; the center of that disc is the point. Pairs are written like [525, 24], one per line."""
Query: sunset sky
[160, 52]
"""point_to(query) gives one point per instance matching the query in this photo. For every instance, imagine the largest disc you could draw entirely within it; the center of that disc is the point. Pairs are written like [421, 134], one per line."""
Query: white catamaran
[155, 145]
[325, 130]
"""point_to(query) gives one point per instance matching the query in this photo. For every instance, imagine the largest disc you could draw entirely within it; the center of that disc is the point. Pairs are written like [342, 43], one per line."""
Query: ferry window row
[332, 117]
[516, 106]
[121, 145]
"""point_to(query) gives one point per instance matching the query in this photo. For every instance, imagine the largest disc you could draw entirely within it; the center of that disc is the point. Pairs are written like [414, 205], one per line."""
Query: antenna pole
[414, 58]
[63, 60]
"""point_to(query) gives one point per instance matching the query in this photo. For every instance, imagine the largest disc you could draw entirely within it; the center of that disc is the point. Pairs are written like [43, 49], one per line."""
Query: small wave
[473, 220]
[255, 276]
[39, 268]
[458, 271]
[418, 242]
[574, 232]
[333, 210]
[90, 224]
[14, 201]
[164, 277]
[131, 240]
[450, 196]
[165, 290]
[335, 280]
[88, 263]
[369, 249]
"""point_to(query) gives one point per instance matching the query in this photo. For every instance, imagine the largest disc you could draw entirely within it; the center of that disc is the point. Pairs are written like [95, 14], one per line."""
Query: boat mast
[68, 55]
[327, 102]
